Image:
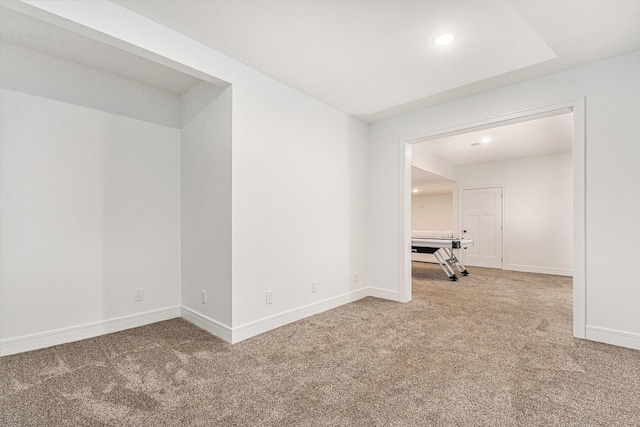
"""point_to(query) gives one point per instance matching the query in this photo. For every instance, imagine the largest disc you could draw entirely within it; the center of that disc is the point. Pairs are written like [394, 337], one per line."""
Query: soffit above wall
[43, 37]
[43, 59]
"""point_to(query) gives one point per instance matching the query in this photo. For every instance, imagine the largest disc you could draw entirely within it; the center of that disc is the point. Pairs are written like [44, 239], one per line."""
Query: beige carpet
[493, 349]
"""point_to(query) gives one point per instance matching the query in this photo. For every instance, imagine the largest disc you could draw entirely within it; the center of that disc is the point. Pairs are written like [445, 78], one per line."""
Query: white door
[482, 222]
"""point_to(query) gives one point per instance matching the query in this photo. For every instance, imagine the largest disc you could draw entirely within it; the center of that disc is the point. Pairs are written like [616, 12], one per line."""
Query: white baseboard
[384, 294]
[208, 324]
[258, 327]
[224, 332]
[88, 330]
[240, 333]
[540, 270]
[613, 337]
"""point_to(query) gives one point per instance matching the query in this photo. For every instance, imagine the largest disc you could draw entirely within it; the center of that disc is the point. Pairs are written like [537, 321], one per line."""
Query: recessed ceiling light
[443, 39]
[415, 190]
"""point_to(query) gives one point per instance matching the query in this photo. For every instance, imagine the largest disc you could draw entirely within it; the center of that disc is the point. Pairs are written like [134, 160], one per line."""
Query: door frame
[458, 214]
[577, 106]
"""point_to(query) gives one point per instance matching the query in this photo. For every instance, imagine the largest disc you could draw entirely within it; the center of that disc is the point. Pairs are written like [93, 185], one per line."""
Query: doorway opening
[470, 201]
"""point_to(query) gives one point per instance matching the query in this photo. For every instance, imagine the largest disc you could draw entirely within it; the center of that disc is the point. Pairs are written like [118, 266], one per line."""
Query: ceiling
[374, 59]
[538, 137]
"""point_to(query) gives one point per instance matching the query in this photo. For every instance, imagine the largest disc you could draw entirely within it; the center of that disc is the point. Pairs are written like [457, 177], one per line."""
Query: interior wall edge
[210, 325]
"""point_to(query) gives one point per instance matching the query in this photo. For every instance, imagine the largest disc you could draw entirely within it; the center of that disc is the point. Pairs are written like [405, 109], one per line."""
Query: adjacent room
[513, 192]
[209, 209]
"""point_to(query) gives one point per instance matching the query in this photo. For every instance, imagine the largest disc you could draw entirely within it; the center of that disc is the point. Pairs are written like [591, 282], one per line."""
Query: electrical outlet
[314, 286]
[356, 277]
[138, 294]
[204, 297]
[269, 297]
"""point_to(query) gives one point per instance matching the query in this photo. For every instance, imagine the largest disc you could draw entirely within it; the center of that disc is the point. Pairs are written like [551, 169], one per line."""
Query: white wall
[612, 90]
[206, 210]
[89, 210]
[434, 212]
[300, 192]
[299, 175]
[537, 210]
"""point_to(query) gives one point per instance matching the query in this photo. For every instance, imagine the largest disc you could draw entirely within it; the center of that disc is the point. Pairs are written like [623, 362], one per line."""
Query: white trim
[88, 330]
[260, 326]
[613, 337]
[579, 195]
[224, 332]
[489, 122]
[540, 270]
[210, 325]
[404, 218]
[579, 219]
[385, 294]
